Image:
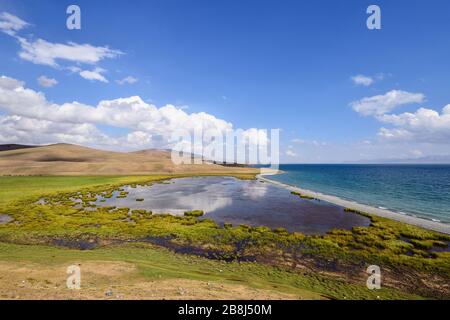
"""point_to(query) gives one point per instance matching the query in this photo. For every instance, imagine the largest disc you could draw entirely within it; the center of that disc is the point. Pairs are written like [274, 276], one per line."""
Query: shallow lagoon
[229, 200]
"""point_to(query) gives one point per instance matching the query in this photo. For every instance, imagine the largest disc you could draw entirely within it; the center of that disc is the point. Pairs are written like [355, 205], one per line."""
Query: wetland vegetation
[58, 211]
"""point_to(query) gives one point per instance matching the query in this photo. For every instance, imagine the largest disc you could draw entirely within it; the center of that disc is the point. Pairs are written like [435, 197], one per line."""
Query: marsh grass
[156, 264]
[388, 243]
[304, 196]
[194, 213]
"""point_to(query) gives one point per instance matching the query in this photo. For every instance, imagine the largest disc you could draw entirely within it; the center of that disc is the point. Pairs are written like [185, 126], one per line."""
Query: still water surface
[236, 201]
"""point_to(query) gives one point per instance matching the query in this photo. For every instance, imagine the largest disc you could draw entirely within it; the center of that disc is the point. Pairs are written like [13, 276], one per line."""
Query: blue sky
[255, 64]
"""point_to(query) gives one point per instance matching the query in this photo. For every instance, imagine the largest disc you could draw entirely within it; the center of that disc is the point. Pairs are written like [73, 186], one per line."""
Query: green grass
[194, 213]
[160, 264]
[18, 188]
[393, 245]
[303, 196]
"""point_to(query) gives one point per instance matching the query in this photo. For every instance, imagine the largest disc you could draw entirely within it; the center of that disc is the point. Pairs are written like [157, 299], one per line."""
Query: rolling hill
[68, 159]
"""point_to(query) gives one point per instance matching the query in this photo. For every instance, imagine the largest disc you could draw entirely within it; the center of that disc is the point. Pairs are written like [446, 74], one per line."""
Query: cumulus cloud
[424, 125]
[381, 104]
[362, 80]
[34, 119]
[47, 53]
[45, 82]
[94, 75]
[291, 153]
[308, 142]
[10, 24]
[58, 55]
[127, 80]
[416, 152]
[298, 141]
[26, 130]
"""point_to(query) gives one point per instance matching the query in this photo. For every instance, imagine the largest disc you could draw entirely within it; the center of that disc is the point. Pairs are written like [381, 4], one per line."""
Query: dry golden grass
[116, 280]
[67, 159]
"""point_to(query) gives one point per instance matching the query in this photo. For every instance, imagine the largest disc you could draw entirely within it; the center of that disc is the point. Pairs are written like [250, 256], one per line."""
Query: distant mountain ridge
[434, 159]
[68, 159]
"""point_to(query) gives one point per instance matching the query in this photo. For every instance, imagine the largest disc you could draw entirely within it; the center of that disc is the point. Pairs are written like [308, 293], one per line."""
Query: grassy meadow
[328, 266]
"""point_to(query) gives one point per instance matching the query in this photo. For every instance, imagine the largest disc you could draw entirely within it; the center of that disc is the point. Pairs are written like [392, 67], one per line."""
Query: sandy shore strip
[415, 221]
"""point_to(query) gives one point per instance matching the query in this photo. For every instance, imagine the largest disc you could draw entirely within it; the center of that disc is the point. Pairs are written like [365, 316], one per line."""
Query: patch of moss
[303, 196]
[141, 212]
[280, 230]
[194, 213]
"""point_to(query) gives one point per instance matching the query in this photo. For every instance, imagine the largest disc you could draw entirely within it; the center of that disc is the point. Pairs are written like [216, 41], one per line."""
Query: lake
[229, 200]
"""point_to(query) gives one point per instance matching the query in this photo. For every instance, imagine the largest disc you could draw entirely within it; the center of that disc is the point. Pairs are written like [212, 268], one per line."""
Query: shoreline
[384, 213]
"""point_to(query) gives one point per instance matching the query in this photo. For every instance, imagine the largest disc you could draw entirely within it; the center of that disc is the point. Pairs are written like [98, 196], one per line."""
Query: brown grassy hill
[67, 159]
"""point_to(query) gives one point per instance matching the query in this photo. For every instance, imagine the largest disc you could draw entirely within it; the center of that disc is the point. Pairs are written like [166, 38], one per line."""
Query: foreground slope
[67, 159]
[140, 272]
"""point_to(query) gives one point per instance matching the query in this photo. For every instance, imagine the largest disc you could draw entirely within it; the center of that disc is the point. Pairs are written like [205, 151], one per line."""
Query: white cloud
[256, 136]
[381, 104]
[74, 69]
[291, 153]
[34, 119]
[47, 82]
[10, 24]
[378, 149]
[362, 80]
[424, 125]
[94, 75]
[309, 142]
[47, 53]
[52, 54]
[380, 76]
[34, 131]
[298, 141]
[318, 143]
[140, 138]
[127, 80]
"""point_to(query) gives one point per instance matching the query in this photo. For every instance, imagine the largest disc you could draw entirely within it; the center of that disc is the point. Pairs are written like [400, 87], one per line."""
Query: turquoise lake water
[419, 190]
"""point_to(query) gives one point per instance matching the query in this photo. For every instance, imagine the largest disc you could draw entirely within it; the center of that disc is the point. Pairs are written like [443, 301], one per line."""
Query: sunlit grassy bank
[153, 264]
[333, 265]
